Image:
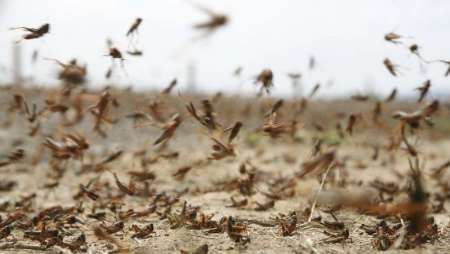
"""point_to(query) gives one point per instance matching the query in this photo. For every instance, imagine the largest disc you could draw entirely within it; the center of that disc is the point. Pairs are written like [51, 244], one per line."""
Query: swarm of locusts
[110, 170]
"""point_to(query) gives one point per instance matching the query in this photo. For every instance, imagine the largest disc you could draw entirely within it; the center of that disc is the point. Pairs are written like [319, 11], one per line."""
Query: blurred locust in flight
[265, 77]
[134, 27]
[216, 20]
[391, 67]
[423, 90]
[33, 33]
[71, 72]
[132, 33]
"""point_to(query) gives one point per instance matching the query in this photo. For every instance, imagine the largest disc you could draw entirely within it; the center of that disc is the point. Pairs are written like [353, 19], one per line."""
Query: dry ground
[272, 158]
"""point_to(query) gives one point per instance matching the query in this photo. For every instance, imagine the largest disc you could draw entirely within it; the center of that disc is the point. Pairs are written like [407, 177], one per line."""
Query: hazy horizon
[345, 37]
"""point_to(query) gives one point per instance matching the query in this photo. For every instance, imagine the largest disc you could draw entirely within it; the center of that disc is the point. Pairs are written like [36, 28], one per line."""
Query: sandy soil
[271, 158]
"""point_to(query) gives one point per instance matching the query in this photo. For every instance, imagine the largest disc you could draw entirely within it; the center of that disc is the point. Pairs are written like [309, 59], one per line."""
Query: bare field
[59, 194]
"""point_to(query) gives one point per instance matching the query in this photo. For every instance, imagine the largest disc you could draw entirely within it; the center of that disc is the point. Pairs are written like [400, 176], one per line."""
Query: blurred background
[346, 39]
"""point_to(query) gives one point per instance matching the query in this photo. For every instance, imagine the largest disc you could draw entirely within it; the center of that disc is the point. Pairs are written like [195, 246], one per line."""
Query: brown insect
[72, 145]
[5, 232]
[156, 109]
[414, 49]
[288, 224]
[393, 37]
[169, 129]
[234, 131]
[274, 128]
[142, 233]
[115, 53]
[224, 149]
[169, 88]
[216, 20]
[265, 206]
[142, 175]
[100, 216]
[101, 234]
[265, 77]
[130, 190]
[92, 195]
[181, 173]
[71, 72]
[415, 118]
[318, 164]
[377, 112]
[134, 27]
[410, 148]
[314, 90]
[392, 95]
[351, 123]
[100, 111]
[34, 33]
[437, 171]
[278, 104]
[12, 217]
[392, 68]
[114, 228]
[112, 157]
[208, 118]
[78, 244]
[236, 231]
[31, 113]
[17, 104]
[14, 156]
[423, 90]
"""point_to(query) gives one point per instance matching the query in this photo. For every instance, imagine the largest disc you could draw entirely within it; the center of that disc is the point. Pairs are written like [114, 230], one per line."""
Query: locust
[317, 165]
[265, 77]
[392, 95]
[169, 129]
[216, 20]
[100, 111]
[391, 67]
[423, 90]
[169, 88]
[350, 123]
[414, 119]
[71, 72]
[142, 233]
[314, 90]
[33, 33]
[223, 149]
[134, 27]
[393, 37]
[208, 119]
[274, 128]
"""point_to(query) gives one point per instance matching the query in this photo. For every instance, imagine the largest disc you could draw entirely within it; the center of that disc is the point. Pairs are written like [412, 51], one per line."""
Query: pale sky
[345, 36]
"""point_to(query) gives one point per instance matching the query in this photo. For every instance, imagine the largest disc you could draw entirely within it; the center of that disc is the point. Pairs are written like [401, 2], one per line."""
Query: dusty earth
[209, 184]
